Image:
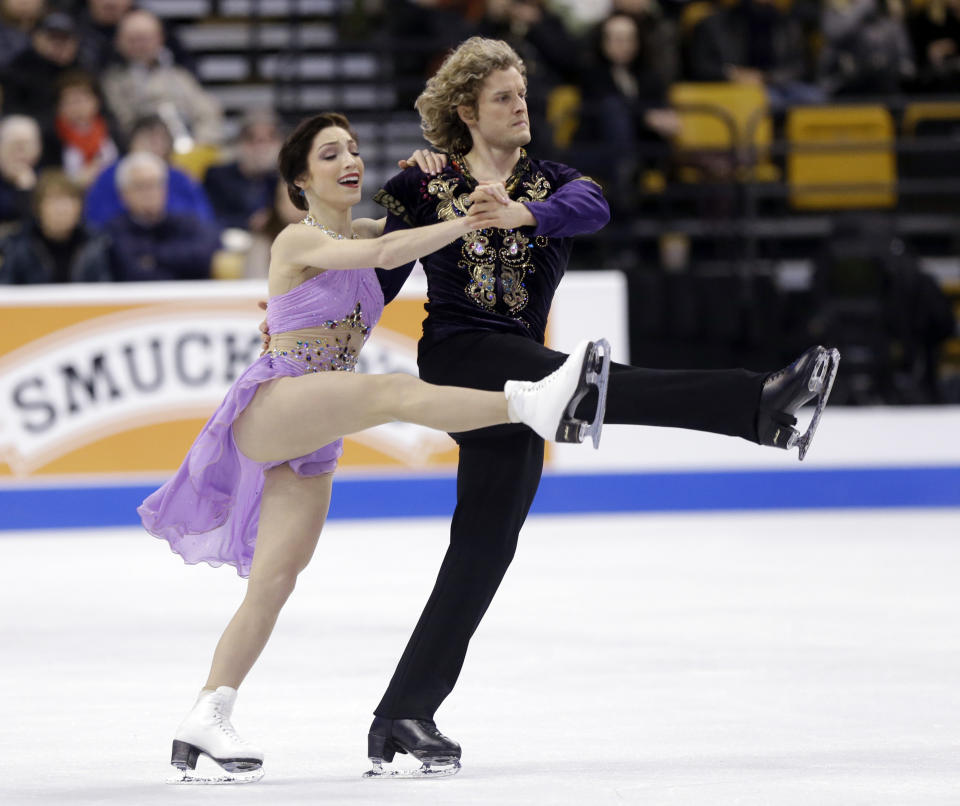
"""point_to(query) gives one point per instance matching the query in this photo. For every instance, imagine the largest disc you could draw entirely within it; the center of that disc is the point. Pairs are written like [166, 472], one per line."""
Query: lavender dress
[209, 510]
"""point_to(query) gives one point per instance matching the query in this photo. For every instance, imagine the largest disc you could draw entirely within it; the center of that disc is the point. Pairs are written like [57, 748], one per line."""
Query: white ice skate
[207, 731]
[548, 406]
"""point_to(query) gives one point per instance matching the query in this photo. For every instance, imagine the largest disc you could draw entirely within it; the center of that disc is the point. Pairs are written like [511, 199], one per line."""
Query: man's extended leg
[498, 476]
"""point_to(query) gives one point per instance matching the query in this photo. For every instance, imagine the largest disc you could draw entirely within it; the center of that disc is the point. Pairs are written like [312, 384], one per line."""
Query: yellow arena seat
[563, 113]
[923, 111]
[841, 157]
[196, 161]
[726, 117]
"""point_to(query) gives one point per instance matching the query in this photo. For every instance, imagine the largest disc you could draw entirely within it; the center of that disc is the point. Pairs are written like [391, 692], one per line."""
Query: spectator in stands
[30, 79]
[754, 42]
[148, 82]
[935, 33]
[866, 50]
[242, 191]
[97, 25]
[80, 141]
[20, 151]
[17, 20]
[624, 117]
[549, 51]
[658, 38]
[53, 246]
[147, 242]
[184, 194]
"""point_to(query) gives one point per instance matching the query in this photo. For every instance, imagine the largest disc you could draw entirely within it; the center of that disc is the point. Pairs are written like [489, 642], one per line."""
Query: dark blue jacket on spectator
[27, 257]
[178, 248]
[14, 203]
[184, 196]
[236, 197]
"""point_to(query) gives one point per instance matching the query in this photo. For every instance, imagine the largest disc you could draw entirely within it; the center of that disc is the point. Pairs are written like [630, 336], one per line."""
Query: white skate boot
[207, 730]
[548, 405]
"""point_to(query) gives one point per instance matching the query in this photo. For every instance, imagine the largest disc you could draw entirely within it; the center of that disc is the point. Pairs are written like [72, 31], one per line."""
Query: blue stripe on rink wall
[400, 497]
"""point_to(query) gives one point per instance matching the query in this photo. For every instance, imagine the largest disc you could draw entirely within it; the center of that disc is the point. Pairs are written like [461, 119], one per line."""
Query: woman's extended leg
[292, 513]
[291, 417]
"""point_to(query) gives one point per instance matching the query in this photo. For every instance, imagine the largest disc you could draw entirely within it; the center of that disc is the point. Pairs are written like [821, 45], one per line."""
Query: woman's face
[78, 105]
[59, 214]
[620, 41]
[334, 168]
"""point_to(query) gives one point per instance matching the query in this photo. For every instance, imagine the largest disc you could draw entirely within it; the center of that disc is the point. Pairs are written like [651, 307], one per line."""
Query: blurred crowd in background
[118, 162]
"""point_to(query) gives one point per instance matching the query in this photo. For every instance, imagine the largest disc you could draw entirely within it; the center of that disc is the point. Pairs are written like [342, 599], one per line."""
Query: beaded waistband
[321, 349]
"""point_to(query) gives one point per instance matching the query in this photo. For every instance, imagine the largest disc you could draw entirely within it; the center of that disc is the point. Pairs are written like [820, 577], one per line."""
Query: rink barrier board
[406, 497]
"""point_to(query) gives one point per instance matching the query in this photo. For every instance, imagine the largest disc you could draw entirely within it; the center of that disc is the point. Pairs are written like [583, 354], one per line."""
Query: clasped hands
[488, 198]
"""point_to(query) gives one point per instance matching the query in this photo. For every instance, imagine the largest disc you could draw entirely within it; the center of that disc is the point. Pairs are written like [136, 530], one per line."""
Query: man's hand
[430, 162]
[264, 333]
[495, 205]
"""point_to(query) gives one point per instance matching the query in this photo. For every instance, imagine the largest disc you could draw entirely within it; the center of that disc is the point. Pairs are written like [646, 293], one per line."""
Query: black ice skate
[549, 405]
[438, 755]
[784, 392]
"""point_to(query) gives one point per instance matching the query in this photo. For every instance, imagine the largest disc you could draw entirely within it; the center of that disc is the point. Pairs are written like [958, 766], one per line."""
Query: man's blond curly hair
[457, 82]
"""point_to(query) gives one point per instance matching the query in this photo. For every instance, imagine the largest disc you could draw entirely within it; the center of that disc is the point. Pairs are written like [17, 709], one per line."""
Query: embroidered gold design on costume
[393, 205]
[485, 262]
[450, 206]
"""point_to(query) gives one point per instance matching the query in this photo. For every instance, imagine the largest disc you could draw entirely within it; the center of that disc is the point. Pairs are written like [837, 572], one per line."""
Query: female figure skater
[254, 488]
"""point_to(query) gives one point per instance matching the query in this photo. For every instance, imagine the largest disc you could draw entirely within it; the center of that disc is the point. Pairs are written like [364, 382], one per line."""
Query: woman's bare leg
[291, 417]
[292, 513]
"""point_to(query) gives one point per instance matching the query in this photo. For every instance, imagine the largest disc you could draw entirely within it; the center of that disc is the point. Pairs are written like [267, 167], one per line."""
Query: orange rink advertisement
[111, 383]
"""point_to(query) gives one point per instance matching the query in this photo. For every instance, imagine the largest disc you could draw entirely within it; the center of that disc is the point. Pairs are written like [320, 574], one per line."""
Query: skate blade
[600, 379]
[193, 778]
[594, 372]
[821, 382]
[430, 769]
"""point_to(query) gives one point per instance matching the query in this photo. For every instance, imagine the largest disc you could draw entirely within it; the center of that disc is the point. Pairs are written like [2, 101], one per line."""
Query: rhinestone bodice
[324, 321]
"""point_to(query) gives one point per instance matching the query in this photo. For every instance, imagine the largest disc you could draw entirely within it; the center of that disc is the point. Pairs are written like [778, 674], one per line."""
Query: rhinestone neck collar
[310, 221]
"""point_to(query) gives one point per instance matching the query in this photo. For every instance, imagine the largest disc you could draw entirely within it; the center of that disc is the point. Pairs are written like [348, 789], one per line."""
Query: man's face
[258, 148]
[501, 115]
[145, 194]
[59, 48]
[139, 38]
[20, 147]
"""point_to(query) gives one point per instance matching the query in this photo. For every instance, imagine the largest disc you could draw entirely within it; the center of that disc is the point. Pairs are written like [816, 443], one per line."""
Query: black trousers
[497, 479]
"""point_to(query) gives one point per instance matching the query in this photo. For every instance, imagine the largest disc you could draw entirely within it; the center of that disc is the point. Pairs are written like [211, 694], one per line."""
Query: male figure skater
[489, 295]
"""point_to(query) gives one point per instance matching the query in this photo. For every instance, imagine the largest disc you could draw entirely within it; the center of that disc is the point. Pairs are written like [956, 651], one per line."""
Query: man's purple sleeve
[575, 208]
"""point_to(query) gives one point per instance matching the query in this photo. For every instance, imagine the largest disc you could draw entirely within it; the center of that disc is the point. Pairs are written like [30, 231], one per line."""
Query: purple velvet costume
[210, 509]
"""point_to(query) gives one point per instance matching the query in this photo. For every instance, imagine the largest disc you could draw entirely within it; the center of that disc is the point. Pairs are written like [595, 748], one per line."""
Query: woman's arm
[300, 245]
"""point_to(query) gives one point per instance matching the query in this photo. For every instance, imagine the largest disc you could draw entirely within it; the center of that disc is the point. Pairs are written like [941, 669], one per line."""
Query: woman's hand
[430, 162]
[493, 204]
[264, 333]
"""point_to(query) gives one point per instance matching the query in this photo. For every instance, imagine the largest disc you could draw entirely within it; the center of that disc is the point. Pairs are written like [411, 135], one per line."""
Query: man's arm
[392, 280]
[576, 207]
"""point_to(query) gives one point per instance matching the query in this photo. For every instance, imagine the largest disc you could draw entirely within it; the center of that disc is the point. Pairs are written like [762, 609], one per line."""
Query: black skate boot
[420, 738]
[784, 392]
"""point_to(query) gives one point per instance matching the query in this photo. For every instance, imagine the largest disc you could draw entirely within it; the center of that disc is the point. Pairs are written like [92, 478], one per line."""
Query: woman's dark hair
[295, 151]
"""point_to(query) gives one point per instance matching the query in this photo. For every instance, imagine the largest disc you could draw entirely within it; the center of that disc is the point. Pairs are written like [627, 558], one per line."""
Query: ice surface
[775, 659]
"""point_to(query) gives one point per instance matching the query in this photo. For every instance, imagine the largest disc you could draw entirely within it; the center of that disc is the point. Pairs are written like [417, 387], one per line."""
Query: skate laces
[536, 386]
[223, 722]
